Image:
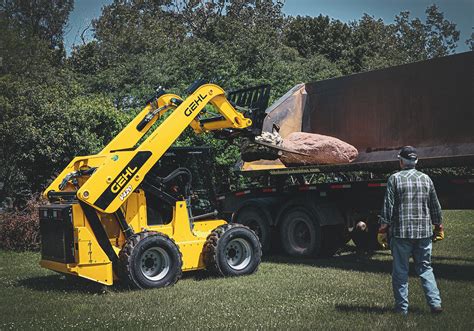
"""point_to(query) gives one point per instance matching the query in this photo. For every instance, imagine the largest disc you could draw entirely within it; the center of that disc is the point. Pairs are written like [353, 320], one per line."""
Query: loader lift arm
[123, 164]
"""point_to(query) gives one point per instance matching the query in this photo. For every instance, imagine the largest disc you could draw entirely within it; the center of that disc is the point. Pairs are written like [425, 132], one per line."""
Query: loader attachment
[254, 101]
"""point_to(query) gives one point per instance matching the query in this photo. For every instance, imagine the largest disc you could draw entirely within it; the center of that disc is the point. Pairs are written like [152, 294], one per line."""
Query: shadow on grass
[59, 283]
[365, 262]
[454, 258]
[355, 308]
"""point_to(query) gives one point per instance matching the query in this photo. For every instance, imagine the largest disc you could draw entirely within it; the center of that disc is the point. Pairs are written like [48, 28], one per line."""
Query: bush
[19, 229]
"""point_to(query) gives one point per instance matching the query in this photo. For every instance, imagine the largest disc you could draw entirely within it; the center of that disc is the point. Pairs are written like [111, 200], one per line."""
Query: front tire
[150, 260]
[232, 250]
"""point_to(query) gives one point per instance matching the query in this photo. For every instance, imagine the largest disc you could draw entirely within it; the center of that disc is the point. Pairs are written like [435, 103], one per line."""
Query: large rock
[320, 149]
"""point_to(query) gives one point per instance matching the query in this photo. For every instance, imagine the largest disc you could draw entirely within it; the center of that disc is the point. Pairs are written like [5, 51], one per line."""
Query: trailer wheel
[300, 232]
[150, 260]
[232, 250]
[254, 220]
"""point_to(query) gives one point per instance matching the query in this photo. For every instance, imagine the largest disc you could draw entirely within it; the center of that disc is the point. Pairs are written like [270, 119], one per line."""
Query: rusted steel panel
[428, 104]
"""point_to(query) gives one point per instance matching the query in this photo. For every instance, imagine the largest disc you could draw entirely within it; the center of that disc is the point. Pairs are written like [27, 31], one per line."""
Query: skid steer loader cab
[122, 214]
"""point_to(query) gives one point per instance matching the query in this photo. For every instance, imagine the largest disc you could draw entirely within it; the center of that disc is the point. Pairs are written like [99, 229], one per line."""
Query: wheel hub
[155, 263]
[300, 234]
[238, 253]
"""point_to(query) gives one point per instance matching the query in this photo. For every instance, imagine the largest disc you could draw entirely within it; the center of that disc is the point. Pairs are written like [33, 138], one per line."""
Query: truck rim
[238, 253]
[155, 263]
[299, 234]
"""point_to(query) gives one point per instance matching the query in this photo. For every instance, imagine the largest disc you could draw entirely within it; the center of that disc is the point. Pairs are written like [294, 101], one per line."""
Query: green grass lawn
[350, 291]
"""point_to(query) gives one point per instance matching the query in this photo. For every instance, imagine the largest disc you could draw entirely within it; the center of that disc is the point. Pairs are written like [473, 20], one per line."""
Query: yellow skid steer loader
[96, 224]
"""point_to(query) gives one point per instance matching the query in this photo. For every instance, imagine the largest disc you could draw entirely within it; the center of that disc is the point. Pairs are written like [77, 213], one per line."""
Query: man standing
[410, 209]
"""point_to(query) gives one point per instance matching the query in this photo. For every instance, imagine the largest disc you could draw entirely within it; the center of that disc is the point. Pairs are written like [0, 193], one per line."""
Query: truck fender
[261, 206]
[325, 212]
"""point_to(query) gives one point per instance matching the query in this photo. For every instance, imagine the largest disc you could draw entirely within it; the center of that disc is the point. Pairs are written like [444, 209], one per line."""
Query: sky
[460, 12]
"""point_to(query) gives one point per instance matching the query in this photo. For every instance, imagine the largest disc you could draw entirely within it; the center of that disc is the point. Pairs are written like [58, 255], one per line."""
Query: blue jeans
[420, 249]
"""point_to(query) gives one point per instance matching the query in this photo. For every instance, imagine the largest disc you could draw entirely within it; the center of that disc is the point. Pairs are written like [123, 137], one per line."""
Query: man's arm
[434, 206]
[389, 201]
[387, 212]
[435, 214]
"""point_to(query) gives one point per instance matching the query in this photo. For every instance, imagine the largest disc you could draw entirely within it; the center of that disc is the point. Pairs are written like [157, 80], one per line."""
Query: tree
[317, 35]
[44, 19]
[470, 42]
[44, 120]
[416, 40]
[369, 43]
[53, 108]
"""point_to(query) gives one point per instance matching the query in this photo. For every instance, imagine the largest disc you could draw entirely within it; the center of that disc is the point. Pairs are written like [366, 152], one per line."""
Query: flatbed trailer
[311, 210]
[309, 219]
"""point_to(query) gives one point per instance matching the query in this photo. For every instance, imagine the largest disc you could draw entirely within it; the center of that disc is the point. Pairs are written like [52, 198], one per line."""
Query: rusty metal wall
[428, 104]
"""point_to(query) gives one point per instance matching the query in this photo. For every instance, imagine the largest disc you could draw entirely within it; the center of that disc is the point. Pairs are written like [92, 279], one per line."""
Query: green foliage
[43, 19]
[369, 43]
[53, 108]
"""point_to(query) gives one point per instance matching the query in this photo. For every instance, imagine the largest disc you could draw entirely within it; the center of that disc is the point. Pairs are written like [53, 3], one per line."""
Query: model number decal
[126, 192]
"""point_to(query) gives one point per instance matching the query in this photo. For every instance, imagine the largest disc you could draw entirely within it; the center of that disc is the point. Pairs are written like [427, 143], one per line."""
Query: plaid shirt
[411, 205]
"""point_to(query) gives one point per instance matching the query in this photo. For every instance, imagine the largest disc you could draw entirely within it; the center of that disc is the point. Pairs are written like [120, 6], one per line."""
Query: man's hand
[438, 232]
[382, 237]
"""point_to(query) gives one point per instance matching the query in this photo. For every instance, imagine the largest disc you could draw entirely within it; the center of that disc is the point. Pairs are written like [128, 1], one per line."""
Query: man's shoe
[436, 310]
[401, 312]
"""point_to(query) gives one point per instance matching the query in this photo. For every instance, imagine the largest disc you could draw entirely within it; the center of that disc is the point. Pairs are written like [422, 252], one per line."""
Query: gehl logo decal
[123, 179]
[120, 182]
[192, 107]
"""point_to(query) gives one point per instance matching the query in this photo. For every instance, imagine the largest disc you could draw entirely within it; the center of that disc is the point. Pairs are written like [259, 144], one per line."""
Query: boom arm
[124, 167]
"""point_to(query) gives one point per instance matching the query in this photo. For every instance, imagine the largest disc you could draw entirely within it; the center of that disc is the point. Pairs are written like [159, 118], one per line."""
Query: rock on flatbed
[321, 149]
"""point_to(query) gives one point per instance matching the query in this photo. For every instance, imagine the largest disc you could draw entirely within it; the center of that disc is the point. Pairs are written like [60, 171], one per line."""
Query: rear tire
[150, 260]
[254, 220]
[300, 232]
[232, 250]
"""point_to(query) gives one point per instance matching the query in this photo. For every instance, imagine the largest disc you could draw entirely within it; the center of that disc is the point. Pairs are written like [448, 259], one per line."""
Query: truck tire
[300, 232]
[232, 250]
[150, 260]
[255, 221]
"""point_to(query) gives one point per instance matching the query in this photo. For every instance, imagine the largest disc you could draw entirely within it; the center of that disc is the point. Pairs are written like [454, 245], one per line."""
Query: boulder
[320, 149]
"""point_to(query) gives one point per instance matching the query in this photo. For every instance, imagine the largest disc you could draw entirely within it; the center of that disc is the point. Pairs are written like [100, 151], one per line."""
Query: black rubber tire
[216, 250]
[300, 232]
[130, 259]
[256, 222]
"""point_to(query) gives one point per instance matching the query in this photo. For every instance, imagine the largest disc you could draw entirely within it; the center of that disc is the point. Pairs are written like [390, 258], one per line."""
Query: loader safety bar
[69, 196]
[200, 217]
